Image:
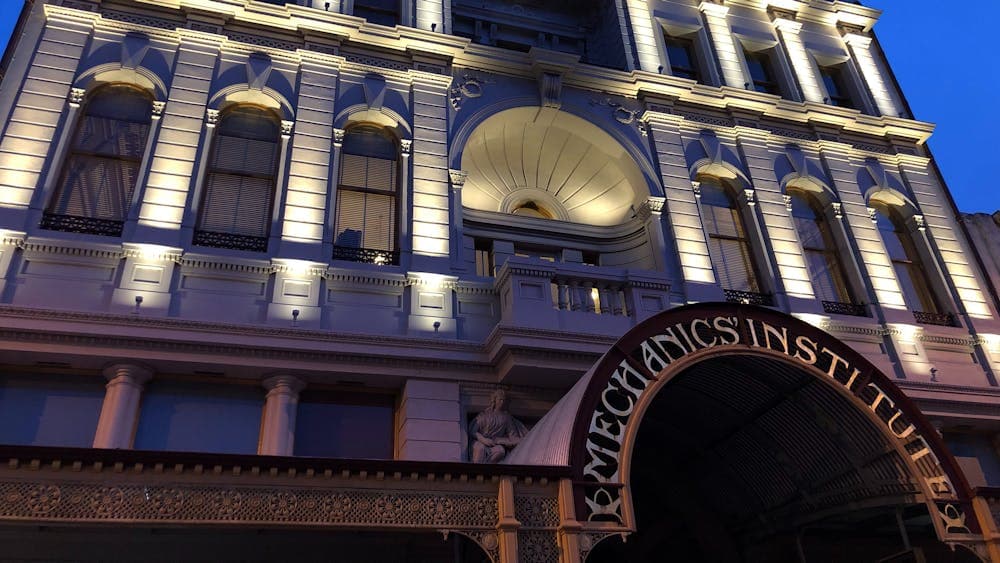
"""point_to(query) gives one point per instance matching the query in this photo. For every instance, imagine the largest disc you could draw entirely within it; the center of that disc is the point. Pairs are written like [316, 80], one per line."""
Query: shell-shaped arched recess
[553, 163]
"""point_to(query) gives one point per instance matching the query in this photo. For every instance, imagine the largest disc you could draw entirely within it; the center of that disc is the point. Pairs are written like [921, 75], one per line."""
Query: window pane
[367, 140]
[237, 205]
[190, 417]
[43, 410]
[733, 264]
[680, 52]
[358, 431]
[96, 187]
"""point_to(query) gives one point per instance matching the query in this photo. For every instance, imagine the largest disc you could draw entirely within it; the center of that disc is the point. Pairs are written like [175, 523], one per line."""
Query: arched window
[819, 249]
[99, 176]
[729, 245]
[240, 182]
[906, 262]
[366, 197]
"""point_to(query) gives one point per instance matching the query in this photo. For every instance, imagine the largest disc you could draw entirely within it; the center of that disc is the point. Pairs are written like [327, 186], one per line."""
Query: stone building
[275, 276]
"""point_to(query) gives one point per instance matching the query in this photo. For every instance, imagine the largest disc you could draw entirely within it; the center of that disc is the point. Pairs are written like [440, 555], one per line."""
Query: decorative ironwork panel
[940, 319]
[537, 546]
[230, 241]
[537, 512]
[749, 297]
[366, 255]
[838, 308]
[20, 500]
[83, 225]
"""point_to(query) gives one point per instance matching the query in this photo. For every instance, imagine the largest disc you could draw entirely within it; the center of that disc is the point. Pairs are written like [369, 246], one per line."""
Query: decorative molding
[706, 119]
[471, 86]
[872, 214]
[338, 137]
[788, 202]
[158, 107]
[405, 145]
[550, 89]
[211, 118]
[838, 209]
[751, 196]
[286, 128]
[140, 19]
[457, 177]
[377, 62]
[76, 96]
[920, 222]
[622, 113]
[696, 188]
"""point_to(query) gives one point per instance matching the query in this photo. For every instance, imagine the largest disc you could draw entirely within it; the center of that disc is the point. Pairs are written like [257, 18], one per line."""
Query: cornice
[295, 23]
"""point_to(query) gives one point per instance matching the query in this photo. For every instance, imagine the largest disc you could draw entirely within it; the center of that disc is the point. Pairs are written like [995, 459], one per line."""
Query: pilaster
[507, 524]
[307, 201]
[173, 165]
[860, 45]
[805, 68]
[728, 53]
[34, 122]
[430, 205]
[430, 422]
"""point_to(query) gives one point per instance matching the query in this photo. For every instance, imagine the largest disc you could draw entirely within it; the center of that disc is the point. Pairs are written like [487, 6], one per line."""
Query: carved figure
[494, 432]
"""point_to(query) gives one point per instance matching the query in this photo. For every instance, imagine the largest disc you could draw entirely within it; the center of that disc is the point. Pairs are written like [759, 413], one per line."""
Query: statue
[494, 432]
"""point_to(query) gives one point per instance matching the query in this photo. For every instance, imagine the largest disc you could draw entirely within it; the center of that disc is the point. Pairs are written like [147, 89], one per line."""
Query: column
[430, 422]
[167, 186]
[569, 526]
[277, 432]
[784, 252]
[727, 51]
[681, 204]
[429, 219]
[458, 178]
[120, 410]
[861, 51]
[306, 198]
[805, 67]
[331, 217]
[430, 15]
[32, 125]
[507, 524]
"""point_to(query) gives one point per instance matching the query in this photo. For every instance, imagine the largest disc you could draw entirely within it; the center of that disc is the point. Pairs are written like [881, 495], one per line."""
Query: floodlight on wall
[138, 303]
[295, 317]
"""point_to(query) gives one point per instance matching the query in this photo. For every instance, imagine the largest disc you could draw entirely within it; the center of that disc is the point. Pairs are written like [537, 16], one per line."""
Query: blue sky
[949, 70]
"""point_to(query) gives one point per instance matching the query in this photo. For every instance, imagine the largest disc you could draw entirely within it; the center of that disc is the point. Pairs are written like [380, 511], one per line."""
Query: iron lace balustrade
[749, 297]
[366, 255]
[838, 308]
[231, 241]
[939, 319]
[83, 225]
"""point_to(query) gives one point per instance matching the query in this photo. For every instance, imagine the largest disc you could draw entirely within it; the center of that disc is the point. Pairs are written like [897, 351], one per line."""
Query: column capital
[134, 373]
[714, 8]
[404, 147]
[283, 384]
[457, 178]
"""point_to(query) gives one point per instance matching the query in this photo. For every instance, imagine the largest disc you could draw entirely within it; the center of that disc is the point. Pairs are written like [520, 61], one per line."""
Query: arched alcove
[553, 163]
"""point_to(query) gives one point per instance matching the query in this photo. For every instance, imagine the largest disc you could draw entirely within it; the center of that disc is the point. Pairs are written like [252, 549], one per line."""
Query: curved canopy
[553, 163]
[780, 418]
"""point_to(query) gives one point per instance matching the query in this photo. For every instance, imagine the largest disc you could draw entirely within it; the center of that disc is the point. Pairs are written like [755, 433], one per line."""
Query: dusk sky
[949, 73]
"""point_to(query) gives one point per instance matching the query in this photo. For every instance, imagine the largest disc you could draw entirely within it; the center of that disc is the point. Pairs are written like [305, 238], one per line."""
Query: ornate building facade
[450, 280]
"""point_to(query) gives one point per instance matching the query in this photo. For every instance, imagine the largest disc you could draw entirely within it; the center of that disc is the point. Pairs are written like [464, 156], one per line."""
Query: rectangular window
[836, 89]
[344, 425]
[382, 12]
[762, 73]
[681, 54]
[200, 417]
[46, 410]
[484, 258]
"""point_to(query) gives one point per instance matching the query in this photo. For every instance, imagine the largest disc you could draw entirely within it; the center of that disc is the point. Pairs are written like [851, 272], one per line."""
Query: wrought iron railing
[366, 255]
[83, 225]
[231, 241]
[749, 297]
[838, 308]
[939, 319]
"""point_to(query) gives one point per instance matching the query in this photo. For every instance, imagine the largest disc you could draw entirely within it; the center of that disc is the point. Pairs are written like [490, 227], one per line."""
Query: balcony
[937, 319]
[578, 298]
